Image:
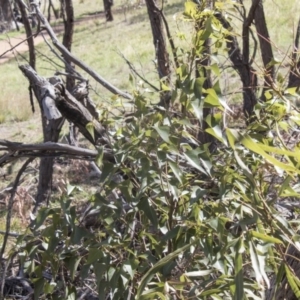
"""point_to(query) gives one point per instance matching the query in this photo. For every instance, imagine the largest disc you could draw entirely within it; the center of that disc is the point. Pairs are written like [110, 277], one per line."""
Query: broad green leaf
[38, 287]
[151, 272]
[164, 132]
[72, 264]
[176, 170]
[198, 105]
[264, 237]
[212, 99]
[99, 157]
[148, 210]
[191, 9]
[91, 129]
[193, 160]
[292, 280]
[249, 143]
[216, 131]
[258, 265]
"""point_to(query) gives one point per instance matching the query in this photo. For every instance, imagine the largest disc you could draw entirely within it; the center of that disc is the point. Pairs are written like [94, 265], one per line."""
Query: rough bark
[55, 12]
[5, 16]
[63, 104]
[242, 66]
[159, 41]
[265, 46]
[68, 17]
[107, 8]
[28, 30]
[294, 76]
[67, 12]
[52, 122]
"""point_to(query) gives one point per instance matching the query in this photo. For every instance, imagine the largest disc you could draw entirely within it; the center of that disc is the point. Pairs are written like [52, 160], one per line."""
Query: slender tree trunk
[5, 15]
[294, 77]
[242, 66]
[68, 17]
[28, 30]
[107, 8]
[265, 46]
[201, 67]
[67, 12]
[159, 41]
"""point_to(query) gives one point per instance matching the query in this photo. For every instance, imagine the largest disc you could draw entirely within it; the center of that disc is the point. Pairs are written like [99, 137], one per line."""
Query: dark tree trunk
[242, 66]
[294, 77]
[159, 41]
[68, 17]
[5, 15]
[67, 12]
[201, 67]
[265, 46]
[107, 8]
[55, 12]
[28, 30]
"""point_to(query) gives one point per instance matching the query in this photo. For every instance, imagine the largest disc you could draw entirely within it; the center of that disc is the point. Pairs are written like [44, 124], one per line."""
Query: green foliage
[186, 223]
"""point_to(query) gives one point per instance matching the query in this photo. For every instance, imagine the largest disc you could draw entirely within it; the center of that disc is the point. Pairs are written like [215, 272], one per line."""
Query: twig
[130, 65]
[8, 216]
[171, 41]
[69, 56]
[14, 47]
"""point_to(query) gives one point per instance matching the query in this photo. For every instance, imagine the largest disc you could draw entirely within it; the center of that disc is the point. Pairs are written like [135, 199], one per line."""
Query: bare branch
[70, 57]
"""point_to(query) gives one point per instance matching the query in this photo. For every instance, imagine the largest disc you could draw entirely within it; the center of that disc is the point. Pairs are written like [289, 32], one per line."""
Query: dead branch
[8, 216]
[49, 149]
[70, 57]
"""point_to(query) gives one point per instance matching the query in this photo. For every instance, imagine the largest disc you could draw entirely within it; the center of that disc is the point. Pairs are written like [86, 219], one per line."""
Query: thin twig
[14, 47]
[9, 212]
[130, 65]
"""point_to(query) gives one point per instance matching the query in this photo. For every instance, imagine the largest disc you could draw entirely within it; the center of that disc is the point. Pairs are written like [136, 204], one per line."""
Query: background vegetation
[170, 217]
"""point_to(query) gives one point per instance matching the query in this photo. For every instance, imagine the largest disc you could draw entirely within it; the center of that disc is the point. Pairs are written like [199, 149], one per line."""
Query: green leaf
[258, 265]
[238, 269]
[72, 264]
[292, 280]
[164, 133]
[38, 288]
[191, 9]
[99, 157]
[264, 237]
[91, 129]
[249, 143]
[148, 210]
[151, 272]
[193, 160]
[177, 172]
[212, 99]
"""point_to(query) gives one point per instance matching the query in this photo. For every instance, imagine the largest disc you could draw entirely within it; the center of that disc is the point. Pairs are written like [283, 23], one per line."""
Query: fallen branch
[49, 149]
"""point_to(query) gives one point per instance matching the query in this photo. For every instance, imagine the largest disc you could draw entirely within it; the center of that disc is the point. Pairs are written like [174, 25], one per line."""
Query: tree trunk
[5, 16]
[28, 33]
[294, 77]
[265, 47]
[201, 67]
[107, 8]
[242, 66]
[67, 12]
[159, 41]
